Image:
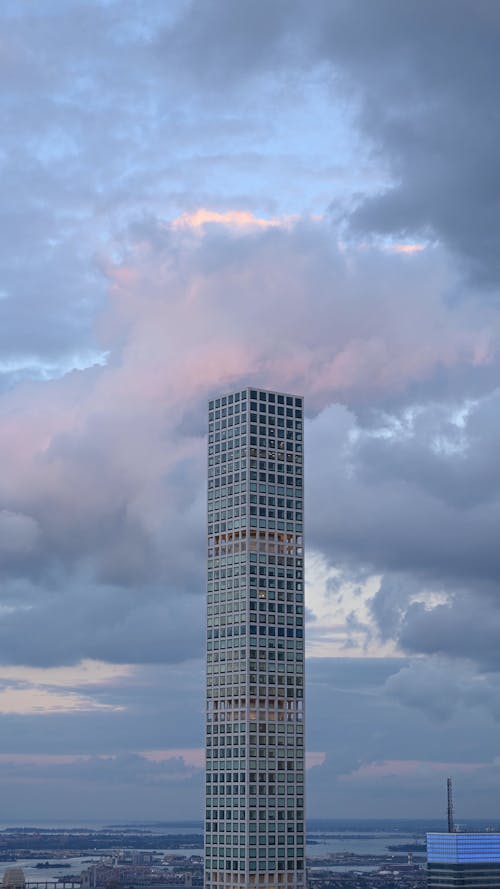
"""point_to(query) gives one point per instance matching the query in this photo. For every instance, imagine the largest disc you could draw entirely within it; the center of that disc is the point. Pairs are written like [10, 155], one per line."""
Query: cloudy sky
[198, 196]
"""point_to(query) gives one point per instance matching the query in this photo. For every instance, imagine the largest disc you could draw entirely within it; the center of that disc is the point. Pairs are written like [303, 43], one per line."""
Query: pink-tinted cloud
[288, 312]
[314, 758]
[191, 756]
[85, 673]
[103, 469]
[42, 758]
[404, 768]
[290, 308]
[41, 701]
[194, 756]
[407, 248]
[242, 220]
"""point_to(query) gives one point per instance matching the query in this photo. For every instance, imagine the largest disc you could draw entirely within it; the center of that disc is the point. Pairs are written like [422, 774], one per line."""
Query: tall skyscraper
[254, 821]
[468, 860]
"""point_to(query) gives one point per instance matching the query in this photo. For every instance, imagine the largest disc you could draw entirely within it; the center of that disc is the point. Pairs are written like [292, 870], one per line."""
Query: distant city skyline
[199, 197]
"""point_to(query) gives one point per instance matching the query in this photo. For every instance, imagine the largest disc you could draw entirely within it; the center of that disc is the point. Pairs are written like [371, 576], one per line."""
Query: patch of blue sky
[17, 370]
[297, 156]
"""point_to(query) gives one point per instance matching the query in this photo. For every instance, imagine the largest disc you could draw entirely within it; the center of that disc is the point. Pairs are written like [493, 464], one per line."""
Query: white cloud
[36, 700]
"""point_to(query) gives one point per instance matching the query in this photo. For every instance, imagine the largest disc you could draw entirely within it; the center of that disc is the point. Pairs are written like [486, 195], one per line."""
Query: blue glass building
[463, 859]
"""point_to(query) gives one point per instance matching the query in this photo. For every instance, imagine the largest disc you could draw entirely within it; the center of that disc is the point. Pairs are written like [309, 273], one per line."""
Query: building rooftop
[461, 848]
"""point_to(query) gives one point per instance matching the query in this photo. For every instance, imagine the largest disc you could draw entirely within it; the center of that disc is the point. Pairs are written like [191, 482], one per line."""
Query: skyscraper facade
[254, 821]
[468, 860]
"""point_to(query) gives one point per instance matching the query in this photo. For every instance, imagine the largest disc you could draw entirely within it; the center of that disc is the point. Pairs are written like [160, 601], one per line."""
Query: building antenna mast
[451, 825]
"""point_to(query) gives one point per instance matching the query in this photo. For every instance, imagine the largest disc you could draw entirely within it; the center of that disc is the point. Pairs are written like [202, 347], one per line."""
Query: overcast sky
[195, 197]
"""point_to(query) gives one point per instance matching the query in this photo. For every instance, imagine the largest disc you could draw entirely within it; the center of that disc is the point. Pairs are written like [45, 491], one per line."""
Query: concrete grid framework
[254, 821]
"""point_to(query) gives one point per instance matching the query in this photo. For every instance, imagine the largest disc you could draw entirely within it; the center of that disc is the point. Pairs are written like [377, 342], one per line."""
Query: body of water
[360, 837]
[76, 865]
